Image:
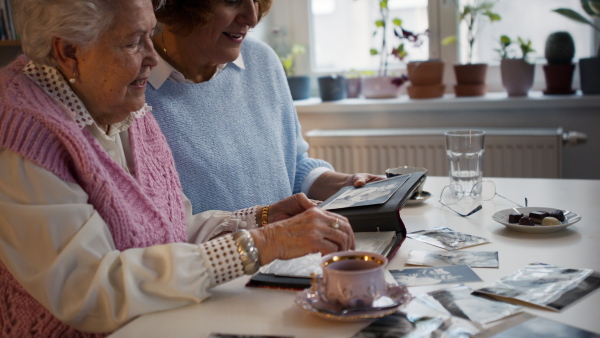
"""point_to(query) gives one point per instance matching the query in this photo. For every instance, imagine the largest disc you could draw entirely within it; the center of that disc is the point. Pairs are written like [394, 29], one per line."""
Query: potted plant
[470, 77]
[383, 85]
[559, 51]
[589, 68]
[332, 87]
[299, 85]
[426, 78]
[517, 73]
[353, 89]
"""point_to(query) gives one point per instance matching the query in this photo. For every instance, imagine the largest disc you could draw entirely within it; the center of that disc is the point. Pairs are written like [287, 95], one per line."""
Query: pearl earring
[72, 80]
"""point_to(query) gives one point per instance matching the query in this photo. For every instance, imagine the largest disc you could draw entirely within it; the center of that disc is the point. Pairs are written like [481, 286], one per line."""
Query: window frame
[295, 16]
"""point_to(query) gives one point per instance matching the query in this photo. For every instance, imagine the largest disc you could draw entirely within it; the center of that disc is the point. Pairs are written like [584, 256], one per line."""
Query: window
[343, 32]
[338, 33]
[533, 20]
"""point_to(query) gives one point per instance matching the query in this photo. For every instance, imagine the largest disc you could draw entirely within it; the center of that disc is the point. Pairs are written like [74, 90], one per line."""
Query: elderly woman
[223, 102]
[94, 227]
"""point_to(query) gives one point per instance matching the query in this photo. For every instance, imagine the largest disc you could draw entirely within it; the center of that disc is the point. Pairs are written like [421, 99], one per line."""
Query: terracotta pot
[470, 90]
[379, 87]
[559, 79]
[589, 75]
[517, 76]
[470, 74]
[425, 92]
[425, 73]
[470, 79]
[299, 87]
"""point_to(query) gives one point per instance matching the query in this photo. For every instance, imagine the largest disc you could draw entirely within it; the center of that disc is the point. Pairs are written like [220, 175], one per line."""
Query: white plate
[502, 217]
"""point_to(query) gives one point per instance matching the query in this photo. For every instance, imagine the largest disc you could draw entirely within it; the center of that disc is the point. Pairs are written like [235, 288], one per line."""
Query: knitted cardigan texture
[141, 209]
[236, 138]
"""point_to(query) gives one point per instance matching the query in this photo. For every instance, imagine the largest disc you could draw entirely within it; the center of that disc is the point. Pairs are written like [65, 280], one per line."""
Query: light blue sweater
[236, 139]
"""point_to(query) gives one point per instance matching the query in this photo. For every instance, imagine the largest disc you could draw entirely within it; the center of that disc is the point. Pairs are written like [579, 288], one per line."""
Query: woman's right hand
[311, 231]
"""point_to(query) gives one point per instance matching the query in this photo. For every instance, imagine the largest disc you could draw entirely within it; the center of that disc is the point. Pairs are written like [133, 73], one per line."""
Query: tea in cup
[352, 279]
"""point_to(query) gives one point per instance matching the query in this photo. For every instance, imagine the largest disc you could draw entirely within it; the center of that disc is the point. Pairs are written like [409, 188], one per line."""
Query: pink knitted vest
[141, 209]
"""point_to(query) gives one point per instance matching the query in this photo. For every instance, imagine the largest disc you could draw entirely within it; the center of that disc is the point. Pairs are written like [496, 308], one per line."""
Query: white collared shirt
[47, 224]
[164, 71]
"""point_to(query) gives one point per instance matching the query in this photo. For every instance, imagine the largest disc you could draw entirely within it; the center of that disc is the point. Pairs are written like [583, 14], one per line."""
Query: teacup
[391, 172]
[352, 279]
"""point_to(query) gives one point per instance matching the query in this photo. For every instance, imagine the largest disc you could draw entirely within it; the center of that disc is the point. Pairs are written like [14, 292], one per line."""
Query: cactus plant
[560, 48]
[591, 7]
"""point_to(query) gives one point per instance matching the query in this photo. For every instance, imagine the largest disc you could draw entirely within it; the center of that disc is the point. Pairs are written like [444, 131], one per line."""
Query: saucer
[310, 301]
[418, 198]
[502, 218]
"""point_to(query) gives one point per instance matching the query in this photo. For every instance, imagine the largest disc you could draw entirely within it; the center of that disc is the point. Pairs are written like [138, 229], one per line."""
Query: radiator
[531, 152]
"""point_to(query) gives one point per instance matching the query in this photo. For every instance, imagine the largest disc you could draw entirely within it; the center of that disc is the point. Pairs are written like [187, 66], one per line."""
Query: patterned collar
[53, 83]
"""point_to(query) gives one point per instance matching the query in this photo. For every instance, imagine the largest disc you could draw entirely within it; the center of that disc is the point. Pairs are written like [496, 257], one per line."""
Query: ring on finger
[336, 224]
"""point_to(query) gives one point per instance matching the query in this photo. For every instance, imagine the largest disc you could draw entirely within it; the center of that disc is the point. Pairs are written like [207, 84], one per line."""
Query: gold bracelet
[265, 215]
[247, 250]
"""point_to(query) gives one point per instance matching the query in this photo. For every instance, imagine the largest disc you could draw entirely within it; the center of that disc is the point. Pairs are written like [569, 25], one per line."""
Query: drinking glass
[465, 158]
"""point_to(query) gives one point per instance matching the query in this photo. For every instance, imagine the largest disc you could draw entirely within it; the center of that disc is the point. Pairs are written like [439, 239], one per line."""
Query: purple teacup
[352, 278]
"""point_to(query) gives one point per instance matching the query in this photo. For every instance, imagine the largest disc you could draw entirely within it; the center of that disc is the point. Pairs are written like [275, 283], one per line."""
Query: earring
[72, 80]
[162, 35]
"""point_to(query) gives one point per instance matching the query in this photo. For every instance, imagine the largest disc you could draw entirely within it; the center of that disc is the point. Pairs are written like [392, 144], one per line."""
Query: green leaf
[379, 23]
[397, 22]
[449, 40]
[587, 7]
[297, 49]
[492, 16]
[594, 7]
[571, 14]
[505, 40]
[373, 51]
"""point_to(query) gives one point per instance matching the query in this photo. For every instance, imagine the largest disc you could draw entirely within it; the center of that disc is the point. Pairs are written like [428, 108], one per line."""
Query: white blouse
[61, 251]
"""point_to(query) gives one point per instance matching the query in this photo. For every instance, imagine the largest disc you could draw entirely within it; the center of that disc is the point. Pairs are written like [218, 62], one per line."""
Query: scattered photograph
[458, 301]
[224, 335]
[447, 238]
[369, 194]
[526, 325]
[474, 259]
[435, 275]
[401, 324]
[545, 285]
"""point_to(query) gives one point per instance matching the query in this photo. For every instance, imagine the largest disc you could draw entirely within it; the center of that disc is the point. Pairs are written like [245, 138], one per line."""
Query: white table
[237, 309]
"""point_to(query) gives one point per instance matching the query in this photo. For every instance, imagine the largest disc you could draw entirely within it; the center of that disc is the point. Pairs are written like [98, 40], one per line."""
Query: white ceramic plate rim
[424, 196]
[502, 217]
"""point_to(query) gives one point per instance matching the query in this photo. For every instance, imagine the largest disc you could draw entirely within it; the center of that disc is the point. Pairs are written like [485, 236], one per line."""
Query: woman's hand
[312, 231]
[289, 207]
[360, 179]
[331, 182]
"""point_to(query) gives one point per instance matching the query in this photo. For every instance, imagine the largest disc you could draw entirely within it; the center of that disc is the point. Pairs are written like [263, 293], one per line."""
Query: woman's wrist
[247, 250]
[262, 242]
[262, 215]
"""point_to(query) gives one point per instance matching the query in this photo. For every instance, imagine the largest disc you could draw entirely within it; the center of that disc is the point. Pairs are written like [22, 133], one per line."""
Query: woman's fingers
[314, 230]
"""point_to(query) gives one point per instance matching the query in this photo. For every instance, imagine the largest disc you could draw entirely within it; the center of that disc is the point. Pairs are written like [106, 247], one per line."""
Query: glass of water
[465, 159]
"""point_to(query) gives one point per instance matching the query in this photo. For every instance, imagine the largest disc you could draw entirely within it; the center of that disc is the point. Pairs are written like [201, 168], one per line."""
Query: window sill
[491, 101]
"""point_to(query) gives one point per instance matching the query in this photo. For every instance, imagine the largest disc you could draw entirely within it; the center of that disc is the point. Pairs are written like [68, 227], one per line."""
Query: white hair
[80, 22]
